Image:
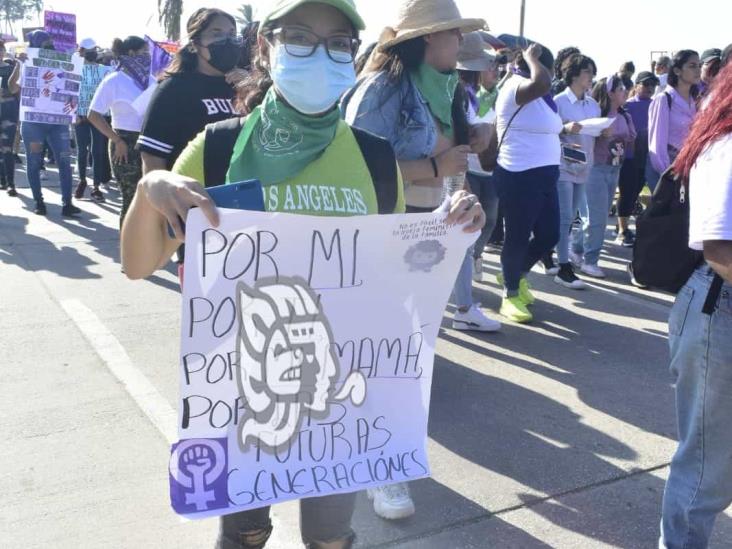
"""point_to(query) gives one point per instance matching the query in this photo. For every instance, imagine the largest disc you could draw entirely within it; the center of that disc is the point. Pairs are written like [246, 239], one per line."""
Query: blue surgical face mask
[311, 85]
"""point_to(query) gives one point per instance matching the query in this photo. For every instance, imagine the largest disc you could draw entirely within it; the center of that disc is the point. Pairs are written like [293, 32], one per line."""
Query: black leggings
[7, 158]
[323, 519]
[91, 140]
[632, 181]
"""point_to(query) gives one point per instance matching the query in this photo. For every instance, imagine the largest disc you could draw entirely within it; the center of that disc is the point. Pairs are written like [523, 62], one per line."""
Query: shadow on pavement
[65, 261]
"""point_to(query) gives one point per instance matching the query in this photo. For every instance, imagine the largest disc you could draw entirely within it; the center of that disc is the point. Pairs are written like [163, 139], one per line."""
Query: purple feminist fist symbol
[197, 468]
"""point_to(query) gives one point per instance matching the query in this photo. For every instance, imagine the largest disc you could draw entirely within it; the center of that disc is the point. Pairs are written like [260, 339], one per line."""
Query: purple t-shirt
[611, 150]
[638, 109]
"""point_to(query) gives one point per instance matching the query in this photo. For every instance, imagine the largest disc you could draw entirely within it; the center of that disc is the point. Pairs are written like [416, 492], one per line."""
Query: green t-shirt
[337, 184]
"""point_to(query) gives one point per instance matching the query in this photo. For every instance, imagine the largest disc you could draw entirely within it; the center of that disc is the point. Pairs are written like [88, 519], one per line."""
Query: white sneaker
[593, 271]
[392, 502]
[478, 269]
[474, 320]
[575, 258]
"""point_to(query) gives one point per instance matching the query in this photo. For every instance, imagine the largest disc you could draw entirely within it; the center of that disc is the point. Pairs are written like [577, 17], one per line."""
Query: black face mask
[225, 54]
[91, 56]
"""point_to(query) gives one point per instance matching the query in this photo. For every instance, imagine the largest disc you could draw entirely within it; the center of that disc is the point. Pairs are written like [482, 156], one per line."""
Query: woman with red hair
[699, 485]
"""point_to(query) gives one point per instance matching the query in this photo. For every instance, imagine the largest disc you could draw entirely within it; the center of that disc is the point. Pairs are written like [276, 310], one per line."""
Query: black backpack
[662, 258]
[378, 154]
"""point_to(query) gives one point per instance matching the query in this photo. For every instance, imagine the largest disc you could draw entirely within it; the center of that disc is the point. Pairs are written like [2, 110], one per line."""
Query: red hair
[711, 123]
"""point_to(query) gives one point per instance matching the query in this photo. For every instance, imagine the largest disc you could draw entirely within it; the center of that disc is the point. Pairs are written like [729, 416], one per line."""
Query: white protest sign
[50, 87]
[307, 350]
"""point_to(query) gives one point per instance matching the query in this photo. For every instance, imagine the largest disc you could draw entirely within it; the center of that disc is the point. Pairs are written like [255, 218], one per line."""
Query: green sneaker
[525, 292]
[514, 309]
[524, 289]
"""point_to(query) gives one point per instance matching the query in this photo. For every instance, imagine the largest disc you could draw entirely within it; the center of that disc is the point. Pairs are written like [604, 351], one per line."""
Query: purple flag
[160, 58]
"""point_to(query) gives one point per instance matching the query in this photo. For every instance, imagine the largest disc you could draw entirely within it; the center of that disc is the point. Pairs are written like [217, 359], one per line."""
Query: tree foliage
[169, 14]
[245, 14]
[18, 10]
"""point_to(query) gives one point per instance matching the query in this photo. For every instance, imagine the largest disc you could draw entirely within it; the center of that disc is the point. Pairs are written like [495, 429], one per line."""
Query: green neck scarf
[277, 142]
[438, 89]
[486, 100]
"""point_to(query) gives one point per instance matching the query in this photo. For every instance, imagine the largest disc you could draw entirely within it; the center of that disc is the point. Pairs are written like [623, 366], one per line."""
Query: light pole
[523, 18]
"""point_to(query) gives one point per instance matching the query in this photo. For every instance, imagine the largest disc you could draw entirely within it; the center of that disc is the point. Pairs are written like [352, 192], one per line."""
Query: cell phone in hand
[245, 195]
[577, 156]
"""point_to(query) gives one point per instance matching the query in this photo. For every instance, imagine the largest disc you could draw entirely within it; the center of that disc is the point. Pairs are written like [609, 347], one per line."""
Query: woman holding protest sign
[35, 134]
[117, 94]
[199, 82]
[305, 63]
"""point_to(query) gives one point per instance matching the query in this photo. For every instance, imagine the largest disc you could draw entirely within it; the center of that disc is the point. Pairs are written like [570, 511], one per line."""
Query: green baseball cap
[280, 8]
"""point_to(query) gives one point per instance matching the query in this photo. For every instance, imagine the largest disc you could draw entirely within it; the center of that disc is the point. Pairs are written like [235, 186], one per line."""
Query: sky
[611, 31]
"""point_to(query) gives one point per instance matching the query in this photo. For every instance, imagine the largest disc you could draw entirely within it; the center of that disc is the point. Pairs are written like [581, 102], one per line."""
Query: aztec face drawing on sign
[288, 366]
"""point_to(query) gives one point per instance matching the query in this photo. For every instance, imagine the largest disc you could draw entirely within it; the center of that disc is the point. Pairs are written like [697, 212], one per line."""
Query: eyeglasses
[341, 48]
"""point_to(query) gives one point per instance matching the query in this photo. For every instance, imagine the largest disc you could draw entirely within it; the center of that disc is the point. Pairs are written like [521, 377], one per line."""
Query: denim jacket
[395, 111]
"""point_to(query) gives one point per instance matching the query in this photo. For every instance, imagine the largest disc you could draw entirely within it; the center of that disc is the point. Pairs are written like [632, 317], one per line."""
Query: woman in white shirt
[117, 94]
[479, 76]
[699, 486]
[527, 174]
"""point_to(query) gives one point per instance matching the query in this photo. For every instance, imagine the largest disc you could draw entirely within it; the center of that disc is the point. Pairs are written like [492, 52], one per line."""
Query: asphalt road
[554, 434]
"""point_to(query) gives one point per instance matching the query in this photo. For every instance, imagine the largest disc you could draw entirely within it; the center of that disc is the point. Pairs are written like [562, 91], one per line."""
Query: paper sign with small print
[50, 87]
[307, 349]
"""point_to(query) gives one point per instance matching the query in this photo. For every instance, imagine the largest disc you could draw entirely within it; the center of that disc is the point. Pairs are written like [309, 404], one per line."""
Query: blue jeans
[462, 292]
[572, 199]
[57, 136]
[484, 187]
[600, 190]
[699, 485]
[531, 213]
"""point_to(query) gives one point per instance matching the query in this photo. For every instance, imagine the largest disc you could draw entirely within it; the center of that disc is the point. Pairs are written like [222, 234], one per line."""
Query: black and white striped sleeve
[160, 135]
[154, 146]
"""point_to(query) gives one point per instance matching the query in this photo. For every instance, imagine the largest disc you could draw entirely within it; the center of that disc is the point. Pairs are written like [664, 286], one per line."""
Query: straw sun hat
[421, 17]
[472, 55]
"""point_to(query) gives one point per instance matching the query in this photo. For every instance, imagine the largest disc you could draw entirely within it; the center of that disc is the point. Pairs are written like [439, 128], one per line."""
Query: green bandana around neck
[277, 142]
[486, 100]
[438, 89]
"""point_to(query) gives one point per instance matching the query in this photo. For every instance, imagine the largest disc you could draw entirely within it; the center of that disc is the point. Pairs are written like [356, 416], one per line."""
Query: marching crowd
[509, 138]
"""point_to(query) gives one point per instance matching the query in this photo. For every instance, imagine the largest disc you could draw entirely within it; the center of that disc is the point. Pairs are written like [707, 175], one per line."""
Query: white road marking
[160, 413]
[111, 351]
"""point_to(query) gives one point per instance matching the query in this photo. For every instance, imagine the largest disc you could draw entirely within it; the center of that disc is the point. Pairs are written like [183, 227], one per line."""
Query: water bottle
[452, 184]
